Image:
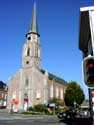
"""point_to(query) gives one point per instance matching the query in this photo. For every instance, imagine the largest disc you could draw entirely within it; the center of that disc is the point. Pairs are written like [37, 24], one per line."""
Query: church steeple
[34, 25]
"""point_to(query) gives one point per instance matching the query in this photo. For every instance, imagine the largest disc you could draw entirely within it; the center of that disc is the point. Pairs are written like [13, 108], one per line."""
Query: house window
[51, 92]
[2, 95]
[5, 97]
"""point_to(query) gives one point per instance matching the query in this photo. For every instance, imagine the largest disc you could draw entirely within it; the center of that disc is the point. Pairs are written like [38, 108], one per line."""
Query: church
[32, 85]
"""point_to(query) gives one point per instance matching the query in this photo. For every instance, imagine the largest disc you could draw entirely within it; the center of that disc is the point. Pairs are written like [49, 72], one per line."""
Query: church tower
[31, 49]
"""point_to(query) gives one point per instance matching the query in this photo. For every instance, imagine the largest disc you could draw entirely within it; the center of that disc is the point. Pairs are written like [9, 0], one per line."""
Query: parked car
[2, 107]
[67, 114]
[84, 113]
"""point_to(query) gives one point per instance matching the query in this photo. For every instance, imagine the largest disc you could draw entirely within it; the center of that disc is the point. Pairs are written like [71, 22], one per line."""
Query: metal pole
[90, 102]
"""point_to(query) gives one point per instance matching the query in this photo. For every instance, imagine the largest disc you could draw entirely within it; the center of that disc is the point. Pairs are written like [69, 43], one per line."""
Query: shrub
[38, 108]
[30, 108]
[41, 108]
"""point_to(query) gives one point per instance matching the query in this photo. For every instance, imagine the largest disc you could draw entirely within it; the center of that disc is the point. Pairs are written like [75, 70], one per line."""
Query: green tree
[58, 102]
[74, 94]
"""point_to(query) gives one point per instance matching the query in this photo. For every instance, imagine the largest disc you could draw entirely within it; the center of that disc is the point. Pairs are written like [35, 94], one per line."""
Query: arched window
[14, 95]
[26, 82]
[38, 52]
[25, 95]
[57, 92]
[38, 94]
[28, 52]
[61, 93]
[51, 91]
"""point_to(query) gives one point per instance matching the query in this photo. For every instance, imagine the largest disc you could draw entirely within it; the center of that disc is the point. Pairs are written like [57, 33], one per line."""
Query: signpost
[53, 105]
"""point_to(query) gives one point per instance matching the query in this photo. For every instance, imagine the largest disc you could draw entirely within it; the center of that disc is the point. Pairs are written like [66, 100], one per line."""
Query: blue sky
[58, 23]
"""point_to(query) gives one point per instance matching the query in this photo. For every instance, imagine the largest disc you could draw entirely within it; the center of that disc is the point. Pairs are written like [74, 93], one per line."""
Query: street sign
[52, 105]
[86, 34]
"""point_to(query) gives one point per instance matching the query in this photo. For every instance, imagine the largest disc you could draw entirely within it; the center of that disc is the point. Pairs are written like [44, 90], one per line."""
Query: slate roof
[54, 77]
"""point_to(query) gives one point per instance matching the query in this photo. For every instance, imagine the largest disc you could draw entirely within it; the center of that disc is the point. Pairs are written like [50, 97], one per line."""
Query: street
[20, 119]
[29, 122]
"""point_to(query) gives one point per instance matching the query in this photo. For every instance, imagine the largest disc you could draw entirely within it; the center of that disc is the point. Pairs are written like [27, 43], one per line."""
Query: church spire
[34, 26]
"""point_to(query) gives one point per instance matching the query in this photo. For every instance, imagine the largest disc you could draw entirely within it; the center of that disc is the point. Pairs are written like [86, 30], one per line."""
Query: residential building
[3, 95]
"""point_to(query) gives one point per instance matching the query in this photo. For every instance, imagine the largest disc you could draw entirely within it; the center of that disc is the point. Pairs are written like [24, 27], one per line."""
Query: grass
[32, 113]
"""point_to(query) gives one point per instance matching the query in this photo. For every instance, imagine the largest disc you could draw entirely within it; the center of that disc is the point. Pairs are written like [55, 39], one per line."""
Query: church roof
[54, 77]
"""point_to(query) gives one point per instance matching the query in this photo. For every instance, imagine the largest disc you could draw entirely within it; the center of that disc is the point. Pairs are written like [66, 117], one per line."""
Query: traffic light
[88, 71]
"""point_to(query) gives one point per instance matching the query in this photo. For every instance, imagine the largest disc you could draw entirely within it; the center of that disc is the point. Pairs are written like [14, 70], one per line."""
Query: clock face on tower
[27, 62]
[29, 38]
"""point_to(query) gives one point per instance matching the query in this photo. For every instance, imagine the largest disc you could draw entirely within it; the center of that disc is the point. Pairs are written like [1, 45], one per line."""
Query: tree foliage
[74, 94]
[58, 102]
